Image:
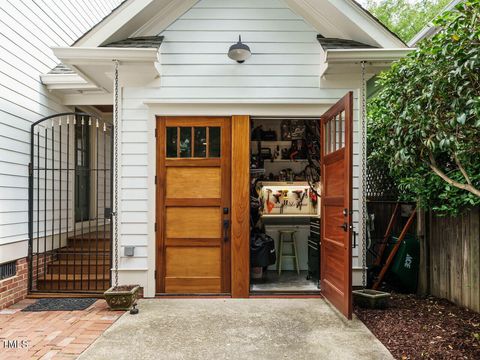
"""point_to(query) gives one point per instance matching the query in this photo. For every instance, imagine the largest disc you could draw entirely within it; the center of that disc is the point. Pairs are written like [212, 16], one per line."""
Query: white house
[28, 31]
[186, 154]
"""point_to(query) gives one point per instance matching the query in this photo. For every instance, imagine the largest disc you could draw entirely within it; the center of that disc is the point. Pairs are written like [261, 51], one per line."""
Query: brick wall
[14, 288]
[40, 264]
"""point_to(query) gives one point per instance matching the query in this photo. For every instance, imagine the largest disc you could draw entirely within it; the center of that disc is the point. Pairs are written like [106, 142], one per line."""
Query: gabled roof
[335, 43]
[344, 19]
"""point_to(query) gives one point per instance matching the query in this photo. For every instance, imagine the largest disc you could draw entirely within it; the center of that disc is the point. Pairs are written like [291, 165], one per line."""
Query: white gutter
[92, 55]
[80, 59]
[334, 58]
[370, 55]
[66, 82]
[48, 79]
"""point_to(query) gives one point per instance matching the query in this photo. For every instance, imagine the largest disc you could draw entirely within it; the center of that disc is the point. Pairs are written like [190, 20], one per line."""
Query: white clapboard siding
[27, 31]
[263, 25]
[284, 68]
[219, 42]
[240, 4]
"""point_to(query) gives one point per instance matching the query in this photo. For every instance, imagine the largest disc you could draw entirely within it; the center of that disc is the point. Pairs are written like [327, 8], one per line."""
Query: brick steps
[78, 266]
[83, 265]
[73, 282]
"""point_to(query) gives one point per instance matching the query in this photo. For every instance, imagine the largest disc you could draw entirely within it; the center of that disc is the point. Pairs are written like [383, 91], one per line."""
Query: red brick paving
[52, 334]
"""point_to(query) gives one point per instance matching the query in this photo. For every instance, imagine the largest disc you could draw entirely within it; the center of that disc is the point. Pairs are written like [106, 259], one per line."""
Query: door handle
[226, 224]
[344, 226]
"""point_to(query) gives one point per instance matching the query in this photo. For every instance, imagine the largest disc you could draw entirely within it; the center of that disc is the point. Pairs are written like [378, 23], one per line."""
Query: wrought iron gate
[69, 203]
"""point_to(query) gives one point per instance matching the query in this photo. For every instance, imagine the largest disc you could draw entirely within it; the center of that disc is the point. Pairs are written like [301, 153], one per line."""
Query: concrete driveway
[236, 329]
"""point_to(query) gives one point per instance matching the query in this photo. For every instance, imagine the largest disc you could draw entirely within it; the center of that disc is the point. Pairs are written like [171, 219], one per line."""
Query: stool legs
[280, 253]
[294, 245]
[293, 254]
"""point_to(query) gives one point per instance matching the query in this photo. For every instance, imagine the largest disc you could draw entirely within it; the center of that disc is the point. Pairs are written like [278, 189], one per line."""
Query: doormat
[60, 304]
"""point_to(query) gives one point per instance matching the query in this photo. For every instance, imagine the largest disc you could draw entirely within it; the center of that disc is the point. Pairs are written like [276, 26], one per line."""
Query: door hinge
[155, 274]
[155, 179]
[155, 132]
[155, 227]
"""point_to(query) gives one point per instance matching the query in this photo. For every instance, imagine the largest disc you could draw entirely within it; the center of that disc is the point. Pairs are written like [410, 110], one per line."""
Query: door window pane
[200, 147]
[214, 142]
[185, 142]
[171, 142]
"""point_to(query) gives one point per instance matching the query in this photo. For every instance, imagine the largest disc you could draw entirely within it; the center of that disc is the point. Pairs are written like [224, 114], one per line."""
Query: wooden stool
[282, 241]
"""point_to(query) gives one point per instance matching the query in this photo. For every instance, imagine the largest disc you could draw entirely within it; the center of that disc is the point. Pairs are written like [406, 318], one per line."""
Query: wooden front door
[336, 204]
[193, 205]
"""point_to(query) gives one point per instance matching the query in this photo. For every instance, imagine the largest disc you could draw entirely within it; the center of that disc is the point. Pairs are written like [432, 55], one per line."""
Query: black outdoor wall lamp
[239, 51]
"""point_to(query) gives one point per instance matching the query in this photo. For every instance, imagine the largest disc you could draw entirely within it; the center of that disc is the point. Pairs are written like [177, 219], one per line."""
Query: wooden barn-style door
[336, 204]
[193, 205]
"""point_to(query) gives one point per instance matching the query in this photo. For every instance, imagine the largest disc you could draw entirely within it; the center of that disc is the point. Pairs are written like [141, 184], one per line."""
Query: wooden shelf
[285, 160]
[290, 215]
[295, 183]
[284, 142]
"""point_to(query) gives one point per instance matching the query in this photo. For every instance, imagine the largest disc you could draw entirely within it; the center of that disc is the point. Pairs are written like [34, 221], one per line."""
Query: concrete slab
[236, 329]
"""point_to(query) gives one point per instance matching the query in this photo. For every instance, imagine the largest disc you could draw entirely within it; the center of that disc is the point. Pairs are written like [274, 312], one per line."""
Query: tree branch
[436, 170]
[462, 170]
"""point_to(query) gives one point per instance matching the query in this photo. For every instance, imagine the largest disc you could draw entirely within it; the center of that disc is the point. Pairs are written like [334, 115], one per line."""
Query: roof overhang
[104, 54]
[345, 61]
[94, 68]
[332, 18]
[66, 82]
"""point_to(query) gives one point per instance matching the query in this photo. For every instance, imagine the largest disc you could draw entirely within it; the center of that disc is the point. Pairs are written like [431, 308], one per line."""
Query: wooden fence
[454, 257]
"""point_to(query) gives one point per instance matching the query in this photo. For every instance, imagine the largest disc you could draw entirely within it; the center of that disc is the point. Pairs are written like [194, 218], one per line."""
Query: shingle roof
[334, 43]
[137, 42]
[61, 69]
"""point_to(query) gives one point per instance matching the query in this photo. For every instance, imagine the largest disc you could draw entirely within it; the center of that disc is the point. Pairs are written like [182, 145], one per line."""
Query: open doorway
[285, 205]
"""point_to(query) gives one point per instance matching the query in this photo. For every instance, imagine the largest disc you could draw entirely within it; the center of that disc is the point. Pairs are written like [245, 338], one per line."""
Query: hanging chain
[364, 178]
[115, 199]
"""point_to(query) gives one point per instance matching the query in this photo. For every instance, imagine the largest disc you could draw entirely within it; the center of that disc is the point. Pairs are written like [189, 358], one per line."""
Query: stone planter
[372, 299]
[121, 297]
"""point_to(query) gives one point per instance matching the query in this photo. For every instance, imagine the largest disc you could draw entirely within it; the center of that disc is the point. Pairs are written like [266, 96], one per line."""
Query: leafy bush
[424, 124]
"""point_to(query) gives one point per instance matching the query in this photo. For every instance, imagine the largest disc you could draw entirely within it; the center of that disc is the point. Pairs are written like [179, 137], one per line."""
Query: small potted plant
[122, 297]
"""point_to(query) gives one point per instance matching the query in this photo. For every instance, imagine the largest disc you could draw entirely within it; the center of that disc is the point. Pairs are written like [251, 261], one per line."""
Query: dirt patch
[123, 287]
[431, 328]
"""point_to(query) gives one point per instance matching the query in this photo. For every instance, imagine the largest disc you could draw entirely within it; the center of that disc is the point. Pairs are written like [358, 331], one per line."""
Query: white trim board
[333, 18]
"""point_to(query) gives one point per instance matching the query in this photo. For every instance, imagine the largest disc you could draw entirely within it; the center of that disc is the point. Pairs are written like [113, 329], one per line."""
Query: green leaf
[429, 105]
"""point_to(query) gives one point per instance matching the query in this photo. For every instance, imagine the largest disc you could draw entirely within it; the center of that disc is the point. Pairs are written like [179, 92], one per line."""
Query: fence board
[455, 258]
